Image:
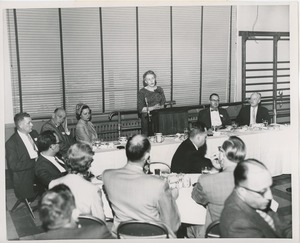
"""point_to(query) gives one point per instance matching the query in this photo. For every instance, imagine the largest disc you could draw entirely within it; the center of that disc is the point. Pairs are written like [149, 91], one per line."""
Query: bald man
[58, 124]
[253, 113]
[135, 195]
[249, 211]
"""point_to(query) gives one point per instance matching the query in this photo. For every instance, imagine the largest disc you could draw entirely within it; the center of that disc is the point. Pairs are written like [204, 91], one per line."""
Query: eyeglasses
[262, 192]
[214, 100]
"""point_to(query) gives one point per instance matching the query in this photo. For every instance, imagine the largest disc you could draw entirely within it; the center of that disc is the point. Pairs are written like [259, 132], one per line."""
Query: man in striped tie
[48, 167]
[250, 210]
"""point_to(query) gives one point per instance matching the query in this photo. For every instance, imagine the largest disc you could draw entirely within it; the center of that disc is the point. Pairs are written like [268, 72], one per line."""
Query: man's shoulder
[13, 138]
[204, 111]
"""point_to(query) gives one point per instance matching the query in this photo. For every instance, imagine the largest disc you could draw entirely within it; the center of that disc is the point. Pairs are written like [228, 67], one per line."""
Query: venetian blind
[120, 58]
[40, 63]
[155, 46]
[82, 58]
[216, 51]
[186, 55]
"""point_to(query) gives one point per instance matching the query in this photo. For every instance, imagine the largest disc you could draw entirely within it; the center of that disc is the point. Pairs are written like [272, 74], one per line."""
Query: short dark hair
[235, 149]
[145, 74]
[45, 140]
[59, 109]
[197, 127]
[241, 170]
[135, 150]
[20, 117]
[213, 95]
[79, 158]
[56, 202]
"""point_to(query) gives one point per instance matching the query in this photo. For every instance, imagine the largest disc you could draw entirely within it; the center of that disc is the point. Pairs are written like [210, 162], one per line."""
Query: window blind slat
[82, 58]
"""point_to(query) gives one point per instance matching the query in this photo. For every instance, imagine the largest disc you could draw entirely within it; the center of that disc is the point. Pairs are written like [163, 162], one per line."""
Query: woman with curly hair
[88, 196]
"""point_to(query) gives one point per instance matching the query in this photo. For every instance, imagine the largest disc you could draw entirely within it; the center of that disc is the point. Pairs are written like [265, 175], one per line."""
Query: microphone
[148, 111]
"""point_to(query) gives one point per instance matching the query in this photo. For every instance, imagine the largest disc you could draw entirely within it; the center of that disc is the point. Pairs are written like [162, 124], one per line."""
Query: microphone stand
[149, 118]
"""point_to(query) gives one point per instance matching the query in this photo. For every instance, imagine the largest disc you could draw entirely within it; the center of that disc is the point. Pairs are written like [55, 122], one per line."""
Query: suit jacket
[135, 195]
[238, 220]
[45, 171]
[86, 232]
[22, 167]
[212, 191]
[204, 117]
[187, 159]
[66, 140]
[243, 117]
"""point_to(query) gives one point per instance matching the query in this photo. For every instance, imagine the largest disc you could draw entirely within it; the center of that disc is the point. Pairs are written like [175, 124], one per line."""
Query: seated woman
[87, 195]
[150, 98]
[85, 130]
[59, 218]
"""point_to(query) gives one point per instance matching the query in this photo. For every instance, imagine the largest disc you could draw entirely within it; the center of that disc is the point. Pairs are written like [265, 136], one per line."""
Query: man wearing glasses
[214, 117]
[48, 167]
[250, 211]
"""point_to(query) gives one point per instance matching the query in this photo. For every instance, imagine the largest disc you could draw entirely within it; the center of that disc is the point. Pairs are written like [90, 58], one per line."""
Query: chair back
[213, 230]
[85, 220]
[145, 230]
[159, 165]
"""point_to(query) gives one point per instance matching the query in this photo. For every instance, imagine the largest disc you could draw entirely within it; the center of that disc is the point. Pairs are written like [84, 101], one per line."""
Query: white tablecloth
[272, 147]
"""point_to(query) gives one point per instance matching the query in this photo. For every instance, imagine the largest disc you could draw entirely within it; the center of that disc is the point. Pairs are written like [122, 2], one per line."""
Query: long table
[272, 147]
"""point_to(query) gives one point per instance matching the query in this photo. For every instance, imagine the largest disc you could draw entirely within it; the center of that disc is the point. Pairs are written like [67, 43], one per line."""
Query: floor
[20, 224]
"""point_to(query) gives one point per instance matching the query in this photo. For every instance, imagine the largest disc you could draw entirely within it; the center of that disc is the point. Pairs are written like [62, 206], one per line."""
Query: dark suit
[204, 117]
[238, 220]
[66, 140]
[86, 232]
[187, 159]
[46, 171]
[22, 167]
[243, 117]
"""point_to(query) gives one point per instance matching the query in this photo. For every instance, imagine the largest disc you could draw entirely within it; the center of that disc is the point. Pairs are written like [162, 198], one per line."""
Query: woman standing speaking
[150, 98]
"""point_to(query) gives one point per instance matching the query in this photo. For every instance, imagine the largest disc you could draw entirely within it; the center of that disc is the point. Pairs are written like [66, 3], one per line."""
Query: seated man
[212, 190]
[189, 156]
[59, 218]
[253, 113]
[21, 154]
[214, 116]
[135, 195]
[58, 124]
[248, 211]
[48, 167]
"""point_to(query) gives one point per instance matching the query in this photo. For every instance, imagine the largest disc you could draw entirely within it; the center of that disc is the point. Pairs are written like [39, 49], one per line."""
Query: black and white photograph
[145, 120]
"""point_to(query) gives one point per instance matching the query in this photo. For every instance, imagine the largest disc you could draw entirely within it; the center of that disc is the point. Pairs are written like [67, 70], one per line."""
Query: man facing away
[58, 124]
[249, 211]
[21, 154]
[48, 166]
[135, 195]
[190, 155]
[212, 190]
[214, 116]
[253, 113]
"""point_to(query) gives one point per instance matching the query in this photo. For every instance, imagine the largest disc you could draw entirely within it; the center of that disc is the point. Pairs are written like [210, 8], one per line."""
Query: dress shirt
[215, 118]
[56, 162]
[31, 148]
[195, 145]
[253, 112]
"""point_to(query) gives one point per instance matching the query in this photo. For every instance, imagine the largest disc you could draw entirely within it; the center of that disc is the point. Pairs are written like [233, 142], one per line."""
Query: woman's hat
[79, 108]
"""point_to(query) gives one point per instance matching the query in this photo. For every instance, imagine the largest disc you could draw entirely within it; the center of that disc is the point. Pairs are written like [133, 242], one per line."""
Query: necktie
[267, 218]
[59, 162]
[253, 117]
[32, 142]
[214, 109]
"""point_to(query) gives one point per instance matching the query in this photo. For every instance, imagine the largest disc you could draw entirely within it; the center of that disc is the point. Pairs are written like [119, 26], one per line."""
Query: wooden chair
[164, 168]
[213, 230]
[144, 230]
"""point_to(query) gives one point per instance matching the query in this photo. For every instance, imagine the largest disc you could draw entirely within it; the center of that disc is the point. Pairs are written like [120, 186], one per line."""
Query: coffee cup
[159, 138]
